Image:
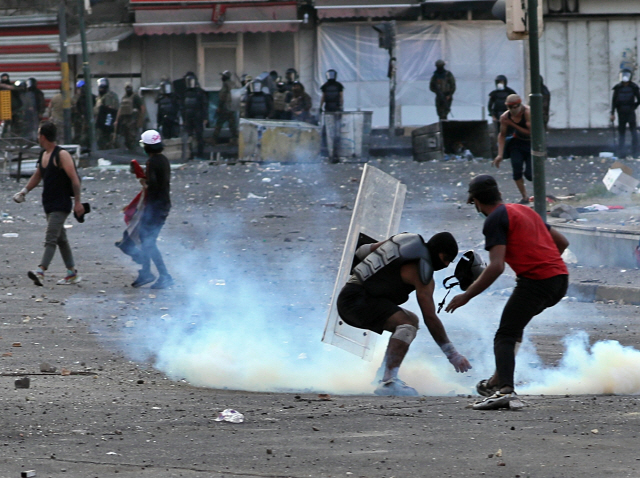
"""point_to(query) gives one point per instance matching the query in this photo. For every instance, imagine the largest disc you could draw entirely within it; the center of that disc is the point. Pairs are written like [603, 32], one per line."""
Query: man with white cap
[156, 210]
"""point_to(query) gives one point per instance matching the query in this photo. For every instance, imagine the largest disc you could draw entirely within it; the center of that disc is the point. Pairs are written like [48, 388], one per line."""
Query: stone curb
[586, 292]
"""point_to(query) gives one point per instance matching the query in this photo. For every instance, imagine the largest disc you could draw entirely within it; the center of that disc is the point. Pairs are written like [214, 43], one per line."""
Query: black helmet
[469, 268]
[191, 80]
[291, 74]
[332, 74]
[103, 85]
[226, 74]
[439, 63]
[165, 87]
[32, 82]
[501, 79]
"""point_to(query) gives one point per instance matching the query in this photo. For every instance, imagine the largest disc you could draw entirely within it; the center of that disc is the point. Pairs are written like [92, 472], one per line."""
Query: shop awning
[220, 19]
[99, 39]
[366, 8]
[436, 6]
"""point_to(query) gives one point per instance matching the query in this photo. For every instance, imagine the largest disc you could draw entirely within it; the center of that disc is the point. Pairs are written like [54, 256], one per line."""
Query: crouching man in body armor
[388, 272]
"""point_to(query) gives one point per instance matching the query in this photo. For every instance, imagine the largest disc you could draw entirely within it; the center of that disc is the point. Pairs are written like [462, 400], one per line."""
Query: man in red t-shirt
[516, 235]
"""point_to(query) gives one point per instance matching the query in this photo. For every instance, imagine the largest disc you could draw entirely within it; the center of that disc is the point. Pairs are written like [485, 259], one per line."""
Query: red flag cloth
[131, 209]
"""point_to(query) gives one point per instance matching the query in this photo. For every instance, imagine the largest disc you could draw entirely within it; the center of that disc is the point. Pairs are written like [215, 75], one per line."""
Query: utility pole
[64, 70]
[87, 81]
[538, 146]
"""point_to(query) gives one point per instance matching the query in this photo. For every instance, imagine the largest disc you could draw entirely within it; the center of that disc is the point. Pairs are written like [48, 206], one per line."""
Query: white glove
[20, 197]
[459, 362]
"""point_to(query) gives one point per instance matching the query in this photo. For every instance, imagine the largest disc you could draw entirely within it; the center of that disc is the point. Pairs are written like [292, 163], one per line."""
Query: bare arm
[66, 163]
[561, 242]
[488, 277]
[502, 135]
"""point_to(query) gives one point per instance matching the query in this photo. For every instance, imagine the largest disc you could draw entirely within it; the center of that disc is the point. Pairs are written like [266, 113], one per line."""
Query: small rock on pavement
[46, 367]
[28, 474]
[23, 382]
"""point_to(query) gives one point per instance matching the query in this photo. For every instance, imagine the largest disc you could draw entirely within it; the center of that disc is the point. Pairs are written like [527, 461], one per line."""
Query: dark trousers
[529, 298]
[194, 127]
[629, 118]
[150, 226]
[520, 155]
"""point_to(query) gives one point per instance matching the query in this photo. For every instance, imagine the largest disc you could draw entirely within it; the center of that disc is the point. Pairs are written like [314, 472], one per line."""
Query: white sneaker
[72, 278]
[496, 401]
[395, 387]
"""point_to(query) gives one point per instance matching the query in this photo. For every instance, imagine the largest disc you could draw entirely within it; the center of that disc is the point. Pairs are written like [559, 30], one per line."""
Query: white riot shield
[376, 216]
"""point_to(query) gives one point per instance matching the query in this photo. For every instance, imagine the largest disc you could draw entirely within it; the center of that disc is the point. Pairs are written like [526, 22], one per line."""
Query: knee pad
[405, 333]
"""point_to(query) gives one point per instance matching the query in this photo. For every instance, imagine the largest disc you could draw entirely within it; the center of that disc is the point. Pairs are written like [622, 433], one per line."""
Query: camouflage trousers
[128, 128]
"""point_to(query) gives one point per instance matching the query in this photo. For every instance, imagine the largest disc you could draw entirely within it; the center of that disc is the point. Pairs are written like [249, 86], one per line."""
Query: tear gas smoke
[253, 320]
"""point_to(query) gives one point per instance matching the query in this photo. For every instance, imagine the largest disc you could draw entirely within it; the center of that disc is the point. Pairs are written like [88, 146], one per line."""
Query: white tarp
[475, 52]
[376, 214]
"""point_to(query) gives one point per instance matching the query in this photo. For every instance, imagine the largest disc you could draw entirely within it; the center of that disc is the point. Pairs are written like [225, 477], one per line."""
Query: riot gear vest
[192, 105]
[166, 107]
[258, 107]
[498, 97]
[279, 103]
[331, 96]
[126, 106]
[379, 272]
[625, 100]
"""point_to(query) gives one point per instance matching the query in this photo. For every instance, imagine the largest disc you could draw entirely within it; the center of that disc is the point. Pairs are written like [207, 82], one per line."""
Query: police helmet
[80, 84]
[165, 87]
[32, 82]
[226, 74]
[501, 79]
[439, 63]
[625, 75]
[255, 86]
[332, 74]
[191, 80]
[469, 268]
[291, 74]
[103, 85]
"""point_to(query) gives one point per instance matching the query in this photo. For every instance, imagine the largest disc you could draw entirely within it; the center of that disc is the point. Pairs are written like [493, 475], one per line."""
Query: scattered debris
[23, 382]
[46, 367]
[619, 179]
[230, 415]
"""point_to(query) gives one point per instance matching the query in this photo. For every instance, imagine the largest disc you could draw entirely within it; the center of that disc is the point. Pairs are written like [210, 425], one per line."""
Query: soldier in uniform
[130, 117]
[443, 84]
[195, 110]
[105, 111]
[290, 76]
[280, 101]
[385, 274]
[225, 113]
[168, 111]
[245, 81]
[300, 104]
[55, 113]
[259, 103]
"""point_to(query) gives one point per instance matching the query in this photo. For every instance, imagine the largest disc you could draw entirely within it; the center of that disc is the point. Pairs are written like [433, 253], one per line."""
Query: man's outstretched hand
[459, 362]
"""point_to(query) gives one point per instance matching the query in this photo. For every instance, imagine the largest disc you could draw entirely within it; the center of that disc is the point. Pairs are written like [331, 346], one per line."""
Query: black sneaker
[483, 388]
[163, 282]
[143, 278]
[496, 401]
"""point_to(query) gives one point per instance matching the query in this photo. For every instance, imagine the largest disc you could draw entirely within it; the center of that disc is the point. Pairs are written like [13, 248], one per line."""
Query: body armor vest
[126, 105]
[166, 107]
[258, 108]
[332, 96]
[399, 250]
[191, 103]
[625, 101]
[279, 102]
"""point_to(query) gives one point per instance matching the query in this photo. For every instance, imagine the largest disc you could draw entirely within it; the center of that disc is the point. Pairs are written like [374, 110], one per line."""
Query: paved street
[254, 249]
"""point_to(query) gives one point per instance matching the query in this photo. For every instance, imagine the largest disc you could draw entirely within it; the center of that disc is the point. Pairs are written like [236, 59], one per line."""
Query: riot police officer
[195, 110]
[168, 111]
[497, 100]
[626, 98]
[332, 93]
[105, 111]
[225, 113]
[290, 76]
[33, 106]
[259, 103]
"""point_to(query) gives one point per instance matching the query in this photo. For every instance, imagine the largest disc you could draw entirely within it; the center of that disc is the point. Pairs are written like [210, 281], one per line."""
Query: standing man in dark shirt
[626, 98]
[157, 205]
[443, 84]
[497, 99]
[516, 235]
[60, 182]
[514, 141]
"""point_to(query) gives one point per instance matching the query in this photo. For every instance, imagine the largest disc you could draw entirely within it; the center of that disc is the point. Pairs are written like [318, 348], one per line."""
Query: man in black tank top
[60, 180]
[514, 142]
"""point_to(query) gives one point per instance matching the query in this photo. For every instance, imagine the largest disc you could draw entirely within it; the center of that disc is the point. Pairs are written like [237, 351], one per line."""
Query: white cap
[151, 136]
